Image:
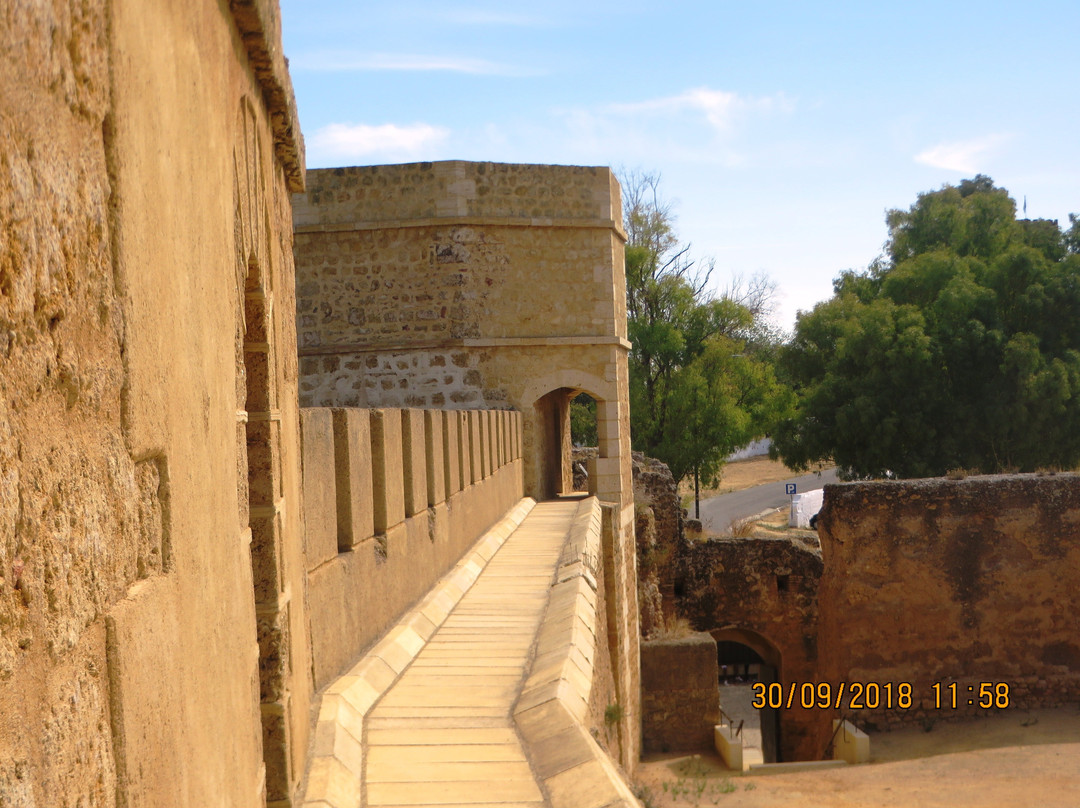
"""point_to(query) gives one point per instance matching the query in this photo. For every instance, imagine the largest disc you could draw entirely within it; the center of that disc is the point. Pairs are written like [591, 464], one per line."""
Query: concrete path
[717, 513]
[443, 735]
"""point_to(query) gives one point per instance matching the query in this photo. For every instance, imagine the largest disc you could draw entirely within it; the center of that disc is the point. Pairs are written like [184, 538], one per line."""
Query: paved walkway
[443, 735]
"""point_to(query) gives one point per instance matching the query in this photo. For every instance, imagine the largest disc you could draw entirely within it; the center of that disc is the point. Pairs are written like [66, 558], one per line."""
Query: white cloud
[964, 156]
[719, 107]
[350, 61]
[342, 140]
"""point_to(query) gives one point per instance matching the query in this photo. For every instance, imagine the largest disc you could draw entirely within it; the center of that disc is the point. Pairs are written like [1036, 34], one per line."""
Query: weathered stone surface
[123, 464]
[971, 581]
[352, 461]
[660, 540]
[680, 693]
[320, 489]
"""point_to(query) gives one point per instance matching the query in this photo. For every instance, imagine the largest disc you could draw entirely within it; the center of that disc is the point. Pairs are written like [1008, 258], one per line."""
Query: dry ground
[1012, 759]
[742, 474]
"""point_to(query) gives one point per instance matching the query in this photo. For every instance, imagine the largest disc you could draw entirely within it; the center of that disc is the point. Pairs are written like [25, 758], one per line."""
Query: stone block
[434, 447]
[452, 454]
[387, 478]
[465, 454]
[317, 457]
[681, 698]
[355, 500]
[850, 743]
[476, 473]
[493, 440]
[500, 438]
[728, 746]
[414, 461]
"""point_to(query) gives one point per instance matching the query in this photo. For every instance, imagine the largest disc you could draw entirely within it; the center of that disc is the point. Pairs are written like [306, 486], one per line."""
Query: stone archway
[768, 671]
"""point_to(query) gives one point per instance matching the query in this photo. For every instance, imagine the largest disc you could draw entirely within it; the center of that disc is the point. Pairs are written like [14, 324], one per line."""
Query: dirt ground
[1013, 759]
[742, 474]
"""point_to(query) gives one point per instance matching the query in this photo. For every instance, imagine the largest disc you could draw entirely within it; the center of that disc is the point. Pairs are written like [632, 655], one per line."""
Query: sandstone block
[434, 448]
[319, 484]
[452, 452]
[355, 497]
[388, 480]
[414, 461]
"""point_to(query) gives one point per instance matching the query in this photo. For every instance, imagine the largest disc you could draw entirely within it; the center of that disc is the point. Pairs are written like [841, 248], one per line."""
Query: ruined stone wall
[764, 594]
[142, 146]
[392, 499]
[660, 541]
[941, 581]
[680, 693]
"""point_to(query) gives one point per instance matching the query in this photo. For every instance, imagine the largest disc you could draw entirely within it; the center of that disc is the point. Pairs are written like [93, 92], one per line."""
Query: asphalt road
[717, 513]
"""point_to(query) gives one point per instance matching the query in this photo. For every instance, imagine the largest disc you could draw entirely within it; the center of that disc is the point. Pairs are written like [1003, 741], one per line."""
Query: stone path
[443, 735]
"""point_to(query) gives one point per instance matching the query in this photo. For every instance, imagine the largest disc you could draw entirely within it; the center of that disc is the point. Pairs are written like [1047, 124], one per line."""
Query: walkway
[444, 734]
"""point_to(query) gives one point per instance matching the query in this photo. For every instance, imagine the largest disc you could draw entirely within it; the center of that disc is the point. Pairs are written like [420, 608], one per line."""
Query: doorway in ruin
[566, 419]
[745, 659]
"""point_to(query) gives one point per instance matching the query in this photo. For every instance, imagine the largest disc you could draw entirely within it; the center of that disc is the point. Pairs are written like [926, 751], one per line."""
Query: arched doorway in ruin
[554, 447]
[748, 657]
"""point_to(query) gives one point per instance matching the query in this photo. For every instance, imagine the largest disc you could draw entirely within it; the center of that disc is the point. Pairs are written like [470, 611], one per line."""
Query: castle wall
[479, 285]
[363, 574]
[145, 146]
[942, 581]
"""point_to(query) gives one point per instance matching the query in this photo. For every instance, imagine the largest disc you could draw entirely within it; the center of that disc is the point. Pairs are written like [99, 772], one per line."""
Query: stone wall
[942, 581]
[392, 499]
[401, 268]
[680, 693]
[762, 593]
[479, 285]
[148, 151]
[660, 541]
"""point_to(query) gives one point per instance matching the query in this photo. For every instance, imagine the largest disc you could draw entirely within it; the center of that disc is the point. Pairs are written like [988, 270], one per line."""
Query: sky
[782, 131]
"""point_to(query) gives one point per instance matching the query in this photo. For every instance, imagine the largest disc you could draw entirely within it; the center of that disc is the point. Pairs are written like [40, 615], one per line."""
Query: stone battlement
[417, 194]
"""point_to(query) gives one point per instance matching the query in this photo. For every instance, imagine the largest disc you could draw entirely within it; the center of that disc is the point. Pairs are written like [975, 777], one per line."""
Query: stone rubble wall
[680, 693]
[941, 581]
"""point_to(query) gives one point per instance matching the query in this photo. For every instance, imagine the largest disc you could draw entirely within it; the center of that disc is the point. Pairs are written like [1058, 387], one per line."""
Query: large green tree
[959, 348]
[701, 378]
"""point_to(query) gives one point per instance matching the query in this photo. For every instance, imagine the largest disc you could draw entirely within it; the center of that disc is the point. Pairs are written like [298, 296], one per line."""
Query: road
[717, 513]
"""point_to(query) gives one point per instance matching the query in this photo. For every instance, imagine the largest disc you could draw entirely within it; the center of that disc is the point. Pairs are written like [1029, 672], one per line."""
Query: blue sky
[782, 131]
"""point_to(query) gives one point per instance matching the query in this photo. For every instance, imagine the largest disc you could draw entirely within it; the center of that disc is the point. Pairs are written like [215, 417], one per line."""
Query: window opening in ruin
[781, 583]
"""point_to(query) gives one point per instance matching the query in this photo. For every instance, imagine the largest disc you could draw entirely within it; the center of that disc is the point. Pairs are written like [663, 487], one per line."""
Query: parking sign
[789, 488]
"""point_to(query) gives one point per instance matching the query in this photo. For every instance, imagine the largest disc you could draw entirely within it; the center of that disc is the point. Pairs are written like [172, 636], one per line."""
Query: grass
[740, 475]
[694, 787]
[744, 528]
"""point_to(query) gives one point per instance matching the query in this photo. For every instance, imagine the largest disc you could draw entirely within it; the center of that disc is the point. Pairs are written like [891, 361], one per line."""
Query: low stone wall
[336, 772]
[555, 713]
[680, 693]
[953, 581]
[392, 499]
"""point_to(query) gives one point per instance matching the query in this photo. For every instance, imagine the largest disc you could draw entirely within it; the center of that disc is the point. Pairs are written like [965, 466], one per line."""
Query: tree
[960, 348]
[701, 381]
